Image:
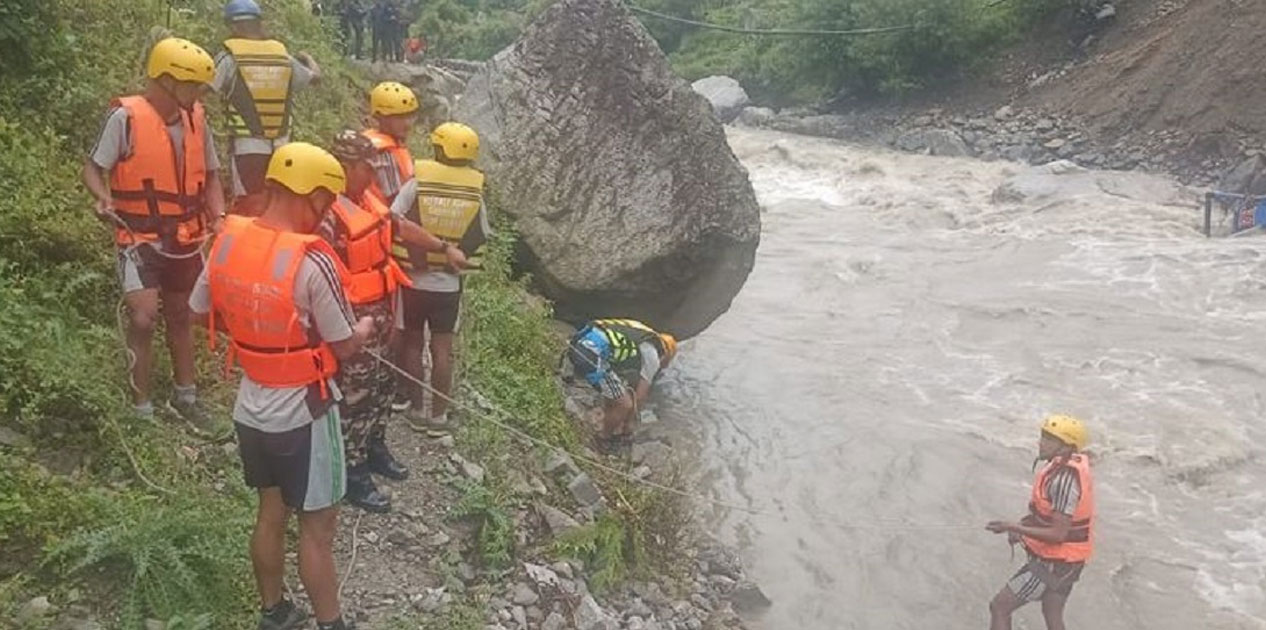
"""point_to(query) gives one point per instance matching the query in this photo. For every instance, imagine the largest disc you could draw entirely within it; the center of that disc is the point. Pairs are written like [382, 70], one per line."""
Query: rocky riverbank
[1010, 133]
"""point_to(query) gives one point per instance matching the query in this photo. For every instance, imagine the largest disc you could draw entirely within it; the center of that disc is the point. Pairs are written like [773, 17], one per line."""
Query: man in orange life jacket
[154, 174]
[277, 290]
[360, 227]
[1058, 531]
[394, 109]
[258, 79]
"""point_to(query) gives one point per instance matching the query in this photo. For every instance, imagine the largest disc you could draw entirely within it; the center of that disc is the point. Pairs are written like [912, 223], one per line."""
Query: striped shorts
[1038, 577]
[305, 463]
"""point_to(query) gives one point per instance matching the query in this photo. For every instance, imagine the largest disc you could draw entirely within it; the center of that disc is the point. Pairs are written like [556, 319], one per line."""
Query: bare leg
[616, 416]
[411, 345]
[316, 562]
[1053, 610]
[268, 546]
[179, 337]
[1000, 609]
[441, 371]
[142, 309]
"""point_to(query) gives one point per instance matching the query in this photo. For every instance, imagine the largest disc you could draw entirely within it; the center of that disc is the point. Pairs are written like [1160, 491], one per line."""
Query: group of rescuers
[331, 260]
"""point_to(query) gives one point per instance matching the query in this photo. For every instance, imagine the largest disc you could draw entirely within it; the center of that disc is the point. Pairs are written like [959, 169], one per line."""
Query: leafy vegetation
[148, 520]
[494, 536]
[945, 39]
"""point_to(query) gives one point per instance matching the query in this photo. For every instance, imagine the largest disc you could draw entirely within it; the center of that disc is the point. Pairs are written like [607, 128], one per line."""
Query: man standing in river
[1057, 533]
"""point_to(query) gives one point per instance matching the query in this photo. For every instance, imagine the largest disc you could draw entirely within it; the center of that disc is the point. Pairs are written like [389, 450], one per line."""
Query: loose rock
[747, 597]
[558, 521]
[584, 491]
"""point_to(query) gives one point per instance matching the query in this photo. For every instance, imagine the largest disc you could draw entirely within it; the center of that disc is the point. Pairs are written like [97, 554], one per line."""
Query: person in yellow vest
[393, 108]
[610, 354]
[277, 290]
[446, 199]
[257, 78]
[1057, 533]
[155, 177]
[360, 228]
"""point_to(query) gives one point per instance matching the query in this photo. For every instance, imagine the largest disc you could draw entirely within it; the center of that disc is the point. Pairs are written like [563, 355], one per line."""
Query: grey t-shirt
[439, 281]
[319, 299]
[225, 82]
[114, 144]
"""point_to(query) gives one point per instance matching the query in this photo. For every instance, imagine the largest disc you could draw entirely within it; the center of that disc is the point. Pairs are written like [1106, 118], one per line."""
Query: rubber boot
[382, 462]
[362, 493]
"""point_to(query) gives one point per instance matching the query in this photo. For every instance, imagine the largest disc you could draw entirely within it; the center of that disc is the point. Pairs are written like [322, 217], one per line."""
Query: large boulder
[727, 97]
[627, 199]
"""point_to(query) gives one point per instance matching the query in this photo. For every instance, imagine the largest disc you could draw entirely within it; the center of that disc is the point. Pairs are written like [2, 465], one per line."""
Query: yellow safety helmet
[302, 168]
[390, 98]
[1068, 430]
[458, 141]
[670, 345]
[182, 59]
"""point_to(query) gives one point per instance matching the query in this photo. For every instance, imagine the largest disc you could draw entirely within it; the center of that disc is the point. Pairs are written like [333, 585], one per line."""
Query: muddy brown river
[875, 390]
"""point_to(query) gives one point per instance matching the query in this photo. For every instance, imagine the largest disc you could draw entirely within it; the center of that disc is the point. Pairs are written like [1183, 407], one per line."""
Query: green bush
[487, 510]
[180, 559]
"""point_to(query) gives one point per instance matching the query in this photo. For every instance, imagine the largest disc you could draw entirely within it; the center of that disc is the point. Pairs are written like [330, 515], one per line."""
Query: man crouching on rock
[610, 352]
[277, 289]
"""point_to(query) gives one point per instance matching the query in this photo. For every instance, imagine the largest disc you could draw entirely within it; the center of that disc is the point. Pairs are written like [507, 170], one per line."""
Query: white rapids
[876, 388]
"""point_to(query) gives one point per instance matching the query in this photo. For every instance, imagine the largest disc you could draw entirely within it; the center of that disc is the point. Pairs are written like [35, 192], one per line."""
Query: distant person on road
[610, 354]
[352, 24]
[276, 288]
[257, 78]
[155, 176]
[1057, 533]
[385, 20]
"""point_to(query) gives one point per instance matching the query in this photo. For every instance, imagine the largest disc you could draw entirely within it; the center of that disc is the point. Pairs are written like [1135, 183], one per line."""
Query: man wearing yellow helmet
[155, 177]
[609, 353]
[445, 197]
[257, 78]
[393, 109]
[1057, 533]
[277, 290]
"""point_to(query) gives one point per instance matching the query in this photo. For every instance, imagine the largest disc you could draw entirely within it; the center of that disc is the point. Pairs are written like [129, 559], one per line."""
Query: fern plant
[605, 546]
[170, 560]
[495, 533]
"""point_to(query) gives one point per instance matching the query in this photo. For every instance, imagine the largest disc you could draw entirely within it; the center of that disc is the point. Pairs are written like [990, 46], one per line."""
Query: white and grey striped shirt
[320, 302]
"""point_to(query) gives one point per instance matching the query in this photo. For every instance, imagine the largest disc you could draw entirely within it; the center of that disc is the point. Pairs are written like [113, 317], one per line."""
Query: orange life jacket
[364, 245]
[1079, 543]
[399, 153]
[251, 272]
[157, 196]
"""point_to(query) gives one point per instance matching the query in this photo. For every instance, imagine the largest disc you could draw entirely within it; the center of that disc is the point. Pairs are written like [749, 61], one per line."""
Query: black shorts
[305, 463]
[438, 310]
[1039, 577]
[144, 268]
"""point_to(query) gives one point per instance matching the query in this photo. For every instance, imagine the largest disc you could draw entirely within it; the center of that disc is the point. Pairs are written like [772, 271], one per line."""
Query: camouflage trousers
[367, 385]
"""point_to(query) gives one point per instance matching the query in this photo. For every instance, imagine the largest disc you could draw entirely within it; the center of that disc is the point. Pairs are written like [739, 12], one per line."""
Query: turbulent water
[875, 390]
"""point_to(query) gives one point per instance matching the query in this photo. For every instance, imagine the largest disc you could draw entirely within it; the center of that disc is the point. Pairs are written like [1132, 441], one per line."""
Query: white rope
[896, 526]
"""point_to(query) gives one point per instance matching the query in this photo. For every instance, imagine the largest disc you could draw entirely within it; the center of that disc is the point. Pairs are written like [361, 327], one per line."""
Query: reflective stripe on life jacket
[363, 243]
[625, 335]
[260, 98]
[251, 272]
[1079, 544]
[448, 205]
[400, 156]
[159, 197]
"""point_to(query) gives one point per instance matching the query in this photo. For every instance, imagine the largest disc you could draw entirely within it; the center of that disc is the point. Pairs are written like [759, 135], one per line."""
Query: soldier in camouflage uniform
[359, 227]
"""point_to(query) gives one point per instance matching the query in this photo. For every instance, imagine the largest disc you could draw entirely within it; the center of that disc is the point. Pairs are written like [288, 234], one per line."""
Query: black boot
[381, 461]
[362, 493]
